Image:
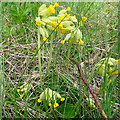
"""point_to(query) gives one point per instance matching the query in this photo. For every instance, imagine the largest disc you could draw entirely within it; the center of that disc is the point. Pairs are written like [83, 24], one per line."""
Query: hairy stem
[39, 56]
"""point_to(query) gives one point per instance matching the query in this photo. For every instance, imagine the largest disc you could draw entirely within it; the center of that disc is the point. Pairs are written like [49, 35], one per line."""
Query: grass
[58, 72]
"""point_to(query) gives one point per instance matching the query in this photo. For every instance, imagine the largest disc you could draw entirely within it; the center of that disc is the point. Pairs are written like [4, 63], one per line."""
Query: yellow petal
[62, 99]
[50, 104]
[18, 90]
[118, 61]
[56, 4]
[115, 73]
[51, 9]
[70, 41]
[21, 87]
[62, 41]
[39, 100]
[81, 42]
[77, 41]
[45, 38]
[56, 105]
[68, 9]
[109, 81]
[38, 22]
[21, 95]
[84, 18]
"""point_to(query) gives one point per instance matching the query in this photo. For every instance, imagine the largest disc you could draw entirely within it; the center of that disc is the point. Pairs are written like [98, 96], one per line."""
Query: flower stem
[39, 56]
[50, 58]
[68, 55]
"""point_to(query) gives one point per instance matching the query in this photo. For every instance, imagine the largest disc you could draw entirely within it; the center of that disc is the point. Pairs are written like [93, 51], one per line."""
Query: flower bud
[73, 19]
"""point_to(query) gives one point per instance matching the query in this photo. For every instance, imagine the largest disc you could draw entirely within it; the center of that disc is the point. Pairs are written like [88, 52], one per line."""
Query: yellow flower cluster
[64, 23]
[91, 103]
[111, 68]
[22, 90]
[42, 20]
[108, 66]
[51, 97]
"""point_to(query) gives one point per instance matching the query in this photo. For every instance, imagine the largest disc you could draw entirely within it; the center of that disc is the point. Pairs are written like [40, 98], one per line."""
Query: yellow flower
[51, 9]
[74, 16]
[54, 29]
[115, 73]
[63, 30]
[43, 11]
[61, 18]
[91, 103]
[56, 4]
[61, 25]
[67, 15]
[38, 21]
[70, 41]
[81, 42]
[55, 105]
[18, 90]
[118, 61]
[45, 38]
[84, 18]
[39, 100]
[54, 24]
[21, 95]
[50, 95]
[62, 41]
[50, 104]
[24, 89]
[109, 81]
[60, 35]
[21, 87]
[68, 9]
[77, 41]
[62, 99]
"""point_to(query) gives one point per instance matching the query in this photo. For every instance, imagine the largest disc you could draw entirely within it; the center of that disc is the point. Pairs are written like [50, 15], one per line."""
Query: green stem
[68, 55]
[50, 58]
[39, 56]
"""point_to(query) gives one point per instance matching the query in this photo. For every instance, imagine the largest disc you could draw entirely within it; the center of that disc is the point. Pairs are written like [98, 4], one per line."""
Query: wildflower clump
[91, 103]
[62, 23]
[108, 66]
[23, 89]
[111, 67]
[51, 97]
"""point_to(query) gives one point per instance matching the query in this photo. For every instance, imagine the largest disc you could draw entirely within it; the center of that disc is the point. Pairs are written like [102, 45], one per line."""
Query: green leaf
[67, 110]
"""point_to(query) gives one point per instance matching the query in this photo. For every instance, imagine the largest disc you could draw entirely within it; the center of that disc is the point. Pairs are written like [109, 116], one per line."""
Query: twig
[91, 91]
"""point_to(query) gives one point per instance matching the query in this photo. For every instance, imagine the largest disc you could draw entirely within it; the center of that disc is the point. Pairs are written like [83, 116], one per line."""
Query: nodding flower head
[51, 97]
[22, 90]
[56, 4]
[63, 23]
[62, 41]
[68, 9]
[38, 21]
[108, 65]
[81, 42]
[51, 9]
